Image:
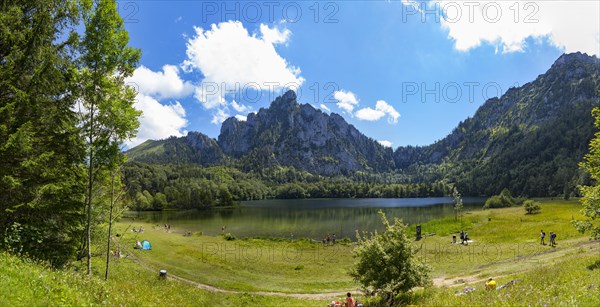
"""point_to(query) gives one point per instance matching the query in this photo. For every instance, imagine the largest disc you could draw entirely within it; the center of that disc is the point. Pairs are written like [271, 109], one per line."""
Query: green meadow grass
[505, 246]
[254, 264]
[26, 283]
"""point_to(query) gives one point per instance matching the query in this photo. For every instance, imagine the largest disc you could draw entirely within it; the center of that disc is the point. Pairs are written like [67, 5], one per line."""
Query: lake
[312, 218]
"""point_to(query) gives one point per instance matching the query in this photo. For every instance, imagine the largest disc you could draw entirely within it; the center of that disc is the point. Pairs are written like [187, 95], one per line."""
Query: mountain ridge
[298, 135]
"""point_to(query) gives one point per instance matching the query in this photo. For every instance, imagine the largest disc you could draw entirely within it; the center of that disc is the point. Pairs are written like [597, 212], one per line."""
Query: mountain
[286, 133]
[195, 148]
[530, 140]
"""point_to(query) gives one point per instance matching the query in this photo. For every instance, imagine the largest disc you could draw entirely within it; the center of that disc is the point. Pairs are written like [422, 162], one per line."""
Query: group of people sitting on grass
[329, 239]
[138, 230]
[552, 238]
[464, 238]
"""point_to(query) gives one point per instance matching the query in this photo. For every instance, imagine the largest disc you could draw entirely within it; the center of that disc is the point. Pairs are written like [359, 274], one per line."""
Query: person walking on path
[542, 236]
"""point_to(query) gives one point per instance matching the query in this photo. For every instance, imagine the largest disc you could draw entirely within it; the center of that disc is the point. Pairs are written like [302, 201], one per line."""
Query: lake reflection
[313, 218]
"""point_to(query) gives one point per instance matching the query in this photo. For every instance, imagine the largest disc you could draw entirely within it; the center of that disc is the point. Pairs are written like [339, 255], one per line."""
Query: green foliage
[187, 186]
[590, 199]
[504, 200]
[387, 262]
[106, 107]
[41, 191]
[458, 203]
[531, 207]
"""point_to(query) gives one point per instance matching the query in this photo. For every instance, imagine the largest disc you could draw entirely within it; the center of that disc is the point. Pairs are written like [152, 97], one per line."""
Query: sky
[402, 72]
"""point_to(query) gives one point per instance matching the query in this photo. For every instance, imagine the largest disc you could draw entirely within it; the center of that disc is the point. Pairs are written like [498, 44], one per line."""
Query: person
[490, 284]
[223, 229]
[462, 237]
[350, 302]
[542, 236]
[333, 239]
[467, 238]
[328, 238]
[454, 239]
[138, 245]
[552, 239]
[141, 229]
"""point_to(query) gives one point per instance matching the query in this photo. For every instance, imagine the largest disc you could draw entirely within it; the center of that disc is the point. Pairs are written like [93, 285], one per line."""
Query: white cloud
[382, 109]
[274, 36]
[238, 107]
[569, 25]
[385, 143]
[158, 121]
[324, 107]
[389, 110]
[241, 118]
[163, 84]
[219, 116]
[230, 58]
[369, 114]
[346, 100]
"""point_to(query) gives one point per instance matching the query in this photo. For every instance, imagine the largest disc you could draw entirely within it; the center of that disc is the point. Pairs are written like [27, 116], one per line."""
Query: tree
[106, 105]
[41, 190]
[531, 207]
[458, 203]
[387, 262]
[590, 199]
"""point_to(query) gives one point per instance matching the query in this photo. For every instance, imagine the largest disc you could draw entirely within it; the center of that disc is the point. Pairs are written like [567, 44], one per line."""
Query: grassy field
[24, 283]
[278, 272]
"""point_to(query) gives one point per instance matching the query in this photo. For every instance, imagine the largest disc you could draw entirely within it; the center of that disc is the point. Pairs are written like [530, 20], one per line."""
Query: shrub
[532, 207]
[494, 202]
[503, 200]
[387, 262]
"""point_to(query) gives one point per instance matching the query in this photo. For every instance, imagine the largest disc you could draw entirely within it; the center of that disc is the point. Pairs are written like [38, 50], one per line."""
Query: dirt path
[441, 281]
[313, 296]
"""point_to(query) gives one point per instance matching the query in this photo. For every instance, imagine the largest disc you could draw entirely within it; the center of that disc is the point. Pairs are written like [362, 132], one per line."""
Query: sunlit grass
[505, 246]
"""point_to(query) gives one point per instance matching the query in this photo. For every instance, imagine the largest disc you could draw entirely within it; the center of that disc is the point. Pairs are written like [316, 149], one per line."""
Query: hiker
[552, 238]
[462, 237]
[490, 284]
[467, 238]
[350, 301]
[542, 236]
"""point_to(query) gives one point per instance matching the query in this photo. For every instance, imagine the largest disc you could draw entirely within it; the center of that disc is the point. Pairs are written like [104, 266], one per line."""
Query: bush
[496, 202]
[387, 262]
[503, 200]
[531, 207]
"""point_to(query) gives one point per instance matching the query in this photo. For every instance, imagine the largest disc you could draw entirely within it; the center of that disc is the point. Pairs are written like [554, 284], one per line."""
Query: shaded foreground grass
[505, 246]
[25, 283]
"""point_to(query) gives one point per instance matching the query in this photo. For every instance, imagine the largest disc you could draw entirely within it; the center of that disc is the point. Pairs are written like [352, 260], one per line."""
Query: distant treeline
[157, 187]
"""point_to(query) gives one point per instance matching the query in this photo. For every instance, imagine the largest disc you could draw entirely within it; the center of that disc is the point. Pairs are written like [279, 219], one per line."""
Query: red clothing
[350, 302]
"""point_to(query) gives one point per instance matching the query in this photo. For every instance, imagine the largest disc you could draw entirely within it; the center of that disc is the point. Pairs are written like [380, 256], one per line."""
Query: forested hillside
[529, 140]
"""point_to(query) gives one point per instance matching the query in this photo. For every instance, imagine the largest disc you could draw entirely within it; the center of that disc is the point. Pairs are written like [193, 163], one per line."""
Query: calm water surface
[312, 218]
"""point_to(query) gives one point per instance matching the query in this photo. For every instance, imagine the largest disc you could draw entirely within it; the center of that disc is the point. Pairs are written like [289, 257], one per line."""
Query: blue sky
[402, 72]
